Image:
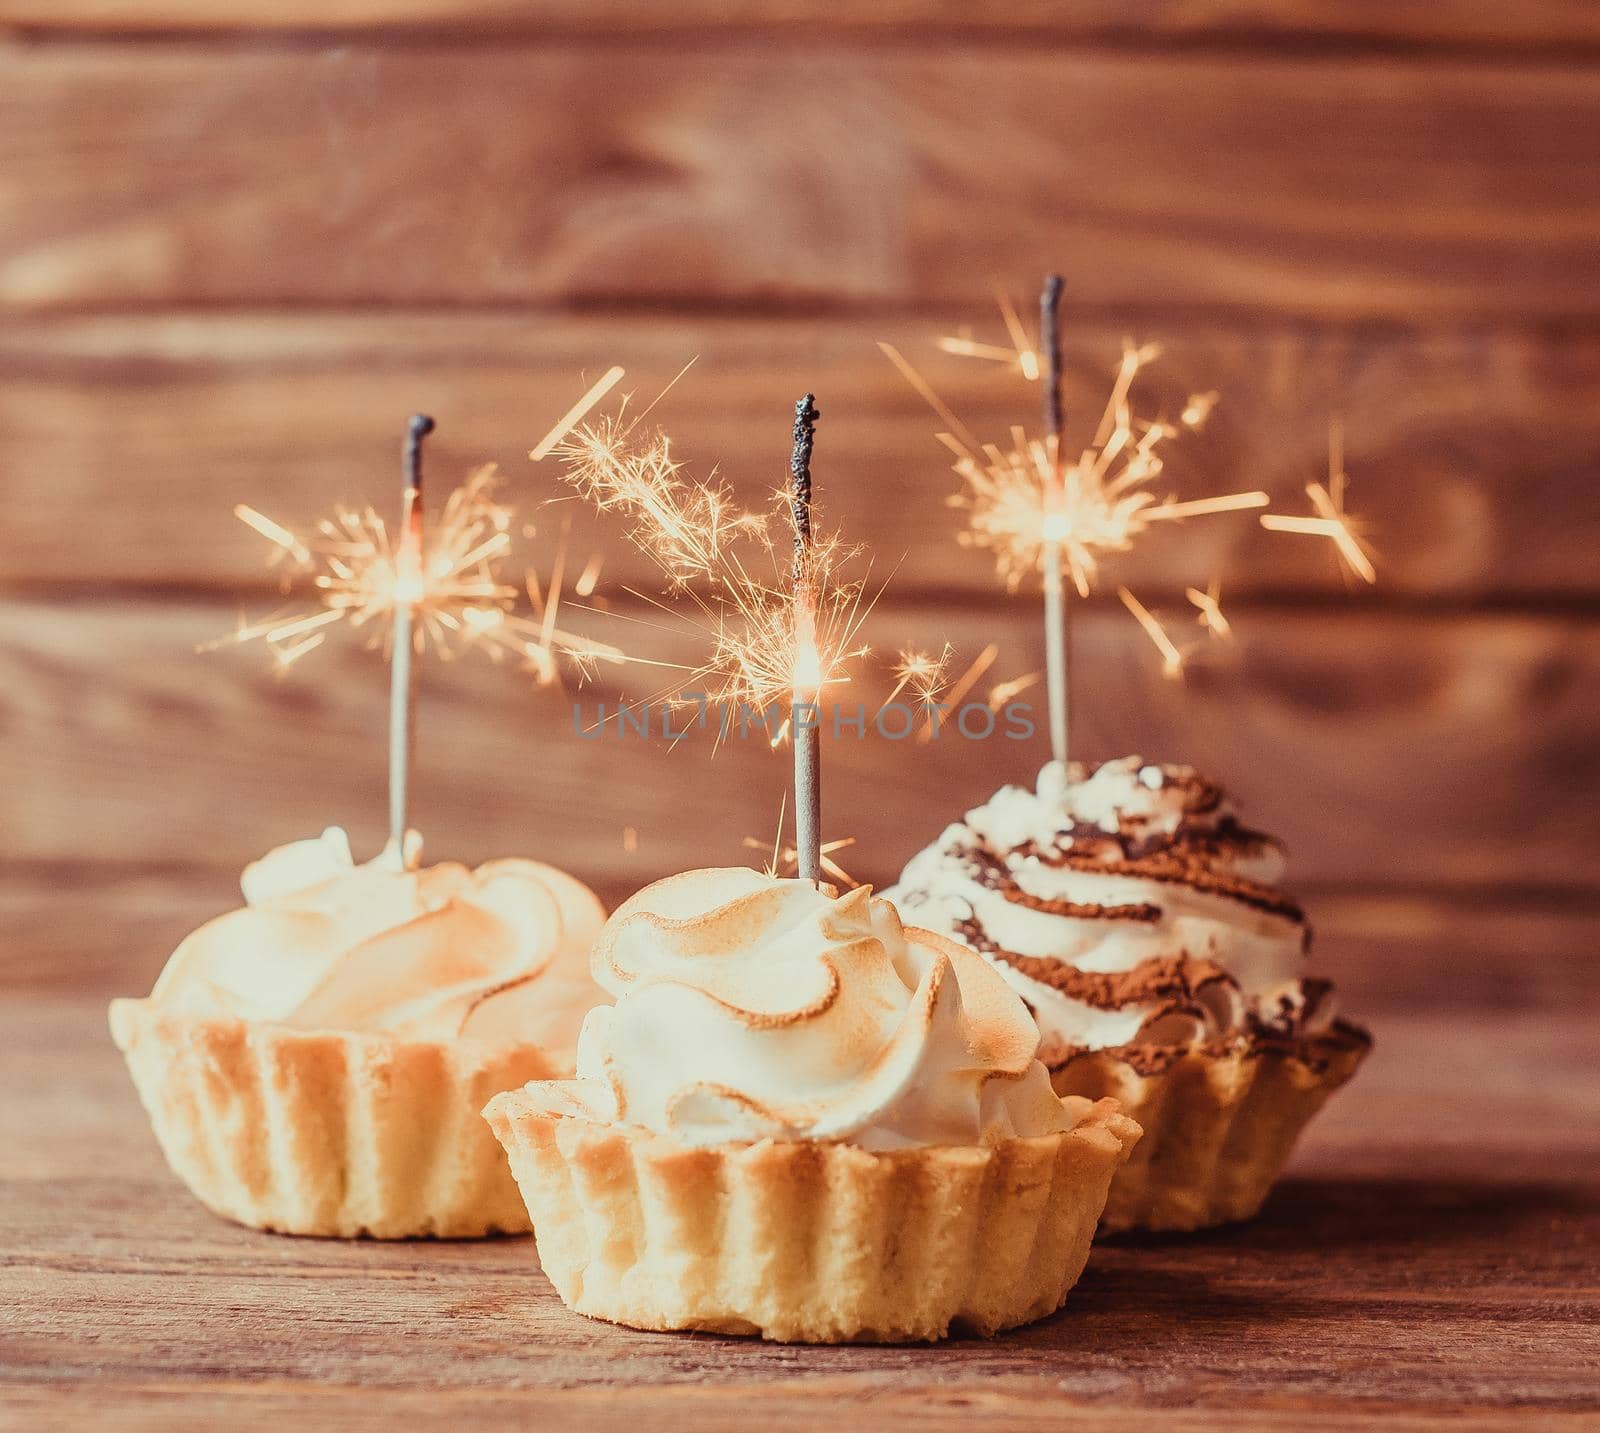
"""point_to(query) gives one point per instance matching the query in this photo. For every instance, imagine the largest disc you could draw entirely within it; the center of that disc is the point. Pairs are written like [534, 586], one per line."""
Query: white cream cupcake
[803, 1121]
[1145, 928]
[314, 1062]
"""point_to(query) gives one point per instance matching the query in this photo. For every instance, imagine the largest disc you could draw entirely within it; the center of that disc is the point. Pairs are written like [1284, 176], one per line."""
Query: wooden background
[238, 244]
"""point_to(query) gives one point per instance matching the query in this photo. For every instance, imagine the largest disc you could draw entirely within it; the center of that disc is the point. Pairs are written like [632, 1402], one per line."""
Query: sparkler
[779, 640]
[1038, 511]
[432, 586]
[452, 587]
[807, 663]
[1054, 526]
[407, 593]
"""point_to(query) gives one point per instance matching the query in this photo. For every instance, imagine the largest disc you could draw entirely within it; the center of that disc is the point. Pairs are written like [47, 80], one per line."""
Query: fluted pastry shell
[1218, 1127]
[810, 1241]
[328, 1133]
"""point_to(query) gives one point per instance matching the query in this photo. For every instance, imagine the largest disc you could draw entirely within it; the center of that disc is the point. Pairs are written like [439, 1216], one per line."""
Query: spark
[1003, 692]
[922, 672]
[1198, 409]
[575, 414]
[454, 588]
[785, 859]
[585, 585]
[1020, 355]
[1171, 657]
[284, 541]
[1209, 604]
[630, 839]
[1332, 522]
[962, 685]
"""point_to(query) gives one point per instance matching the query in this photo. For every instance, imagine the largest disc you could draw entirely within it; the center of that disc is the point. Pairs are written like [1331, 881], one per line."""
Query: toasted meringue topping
[752, 1008]
[498, 954]
[1128, 868]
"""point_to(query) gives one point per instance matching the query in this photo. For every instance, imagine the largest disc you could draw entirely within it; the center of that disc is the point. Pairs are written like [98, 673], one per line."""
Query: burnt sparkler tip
[806, 414]
[805, 424]
[416, 430]
[1050, 342]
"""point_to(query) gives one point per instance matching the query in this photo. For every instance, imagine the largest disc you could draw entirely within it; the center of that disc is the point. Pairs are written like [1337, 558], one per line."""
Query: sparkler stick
[807, 663]
[1055, 600]
[407, 593]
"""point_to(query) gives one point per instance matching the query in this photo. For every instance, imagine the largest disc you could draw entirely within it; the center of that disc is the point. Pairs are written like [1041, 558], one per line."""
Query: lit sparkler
[773, 641]
[1331, 521]
[721, 560]
[444, 584]
[1036, 510]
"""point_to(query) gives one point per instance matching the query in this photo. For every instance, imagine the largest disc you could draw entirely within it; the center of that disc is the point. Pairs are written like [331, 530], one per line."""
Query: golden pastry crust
[810, 1242]
[328, 1133]
[1218, 1126]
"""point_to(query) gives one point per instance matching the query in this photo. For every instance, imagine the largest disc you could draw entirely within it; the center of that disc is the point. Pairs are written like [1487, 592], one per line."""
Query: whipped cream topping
[498, 954]
[1127, 905]
[753, 1008]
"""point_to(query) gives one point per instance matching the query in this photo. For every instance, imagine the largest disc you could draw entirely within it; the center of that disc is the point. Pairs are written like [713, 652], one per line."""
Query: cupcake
[801, 1120]
[314, 1063]
[1145, 929]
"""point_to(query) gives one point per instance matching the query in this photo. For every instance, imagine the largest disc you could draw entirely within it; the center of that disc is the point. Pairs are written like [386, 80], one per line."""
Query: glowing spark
[585, 585]
[1209, 604]
[1003, 692]
[630, 839]
[1203, 507]
[1332, 525]
[1198, 409]
[284, 540]
[785, 859]
[1020, 354]
[686, 525]
[1331, 520]
[575, 414]
[922, 672]
[962, 685]
[1171, 657]
[932, 399]
[452, 585]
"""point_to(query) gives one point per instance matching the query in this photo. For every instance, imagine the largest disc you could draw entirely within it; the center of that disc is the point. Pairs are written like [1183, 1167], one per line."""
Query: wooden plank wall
[238, 244]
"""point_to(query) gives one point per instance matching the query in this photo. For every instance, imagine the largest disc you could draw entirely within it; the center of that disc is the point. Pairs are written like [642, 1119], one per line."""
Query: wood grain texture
[1390, 751]
[1439, 23]
[1445, 1206]
[125, 443]
[577, 171]
[92, 929]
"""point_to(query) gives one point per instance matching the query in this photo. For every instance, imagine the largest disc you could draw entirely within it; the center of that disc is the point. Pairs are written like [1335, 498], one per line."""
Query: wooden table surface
[1433, 1258]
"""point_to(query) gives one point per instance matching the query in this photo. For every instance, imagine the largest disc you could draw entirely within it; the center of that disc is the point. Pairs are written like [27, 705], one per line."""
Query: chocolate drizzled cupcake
[1144, 927]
